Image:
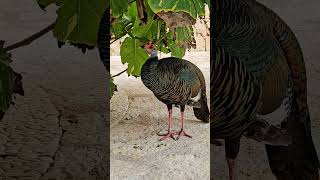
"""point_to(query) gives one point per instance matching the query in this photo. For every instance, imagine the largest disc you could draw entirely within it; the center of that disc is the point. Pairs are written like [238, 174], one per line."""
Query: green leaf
[6, 83]
[131, 12]
[78, 20]
[5, 57]
[132, 53]
[147, 31]
[118, 7]
[184, 33]
[193, 7]
[148, 9]
[112, 87]
[162, 48]
[184, 36]
[176, 51]
[118, 28]
[45, 3]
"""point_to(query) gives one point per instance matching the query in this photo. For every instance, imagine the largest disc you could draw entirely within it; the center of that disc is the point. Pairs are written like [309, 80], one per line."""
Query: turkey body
[259, 70]
[176, 82]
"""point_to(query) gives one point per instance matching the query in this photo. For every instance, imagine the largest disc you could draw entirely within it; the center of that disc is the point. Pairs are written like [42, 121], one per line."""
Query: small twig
[120, 73]
[31, 38]
[115, 40]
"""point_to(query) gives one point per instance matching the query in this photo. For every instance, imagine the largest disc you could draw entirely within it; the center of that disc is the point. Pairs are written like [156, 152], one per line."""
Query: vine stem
[30, 39]
[120, 73]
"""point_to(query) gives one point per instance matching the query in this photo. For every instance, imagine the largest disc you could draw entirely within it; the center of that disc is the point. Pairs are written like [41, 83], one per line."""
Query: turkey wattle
[175, 82]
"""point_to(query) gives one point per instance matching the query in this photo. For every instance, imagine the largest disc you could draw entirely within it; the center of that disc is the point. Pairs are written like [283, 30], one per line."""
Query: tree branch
[31, 38]
[115, 40]
[120, 73]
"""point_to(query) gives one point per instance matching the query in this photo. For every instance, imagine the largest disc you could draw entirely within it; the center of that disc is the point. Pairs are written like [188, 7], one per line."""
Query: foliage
[77, 20]
[137, 21]
[175, 40]
[112, 87]
[166, 23]
[6, 80]
[193, 7]
[131, 49]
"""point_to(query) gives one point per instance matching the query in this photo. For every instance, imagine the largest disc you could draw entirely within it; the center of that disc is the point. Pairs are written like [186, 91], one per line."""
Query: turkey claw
[182, 133]
[167, 135]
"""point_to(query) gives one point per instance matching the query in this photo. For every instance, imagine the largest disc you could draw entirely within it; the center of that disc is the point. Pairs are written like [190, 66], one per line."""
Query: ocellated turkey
[175, 82]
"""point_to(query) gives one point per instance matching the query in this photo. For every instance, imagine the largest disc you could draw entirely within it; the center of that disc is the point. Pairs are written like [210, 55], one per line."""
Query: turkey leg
[182, 132]
[170, 133]
[232, 147]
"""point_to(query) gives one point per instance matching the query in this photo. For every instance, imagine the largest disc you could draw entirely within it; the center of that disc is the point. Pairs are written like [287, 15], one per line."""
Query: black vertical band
[213, 37]
[104, 39]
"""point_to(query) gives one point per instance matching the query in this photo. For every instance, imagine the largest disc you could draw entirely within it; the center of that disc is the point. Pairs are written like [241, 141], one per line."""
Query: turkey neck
[149, 71]
[152, 62]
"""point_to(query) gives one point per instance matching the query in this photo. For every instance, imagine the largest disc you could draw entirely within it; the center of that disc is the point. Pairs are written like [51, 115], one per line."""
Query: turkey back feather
[235, 96]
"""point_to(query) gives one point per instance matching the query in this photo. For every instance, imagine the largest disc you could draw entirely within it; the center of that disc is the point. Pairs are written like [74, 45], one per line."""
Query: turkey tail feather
[299, 160]
[202, 113]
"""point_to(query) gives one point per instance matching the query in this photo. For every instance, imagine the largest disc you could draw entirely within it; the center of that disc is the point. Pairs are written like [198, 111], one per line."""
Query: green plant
[167, 23]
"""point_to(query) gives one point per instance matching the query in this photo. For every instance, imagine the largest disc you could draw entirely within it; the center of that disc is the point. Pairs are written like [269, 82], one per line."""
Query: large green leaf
[147, 31]
[132, 53]
[78, 20]
[131, 12]
[118, 28]
[45, 3]
[148, 9]
[193, 7]
[118, 7]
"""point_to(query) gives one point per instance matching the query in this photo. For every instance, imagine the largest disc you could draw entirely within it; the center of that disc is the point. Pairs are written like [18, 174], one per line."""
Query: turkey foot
[170, 134]
[182, 133]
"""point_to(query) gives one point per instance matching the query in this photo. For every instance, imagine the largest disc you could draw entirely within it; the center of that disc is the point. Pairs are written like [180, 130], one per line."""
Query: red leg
[232, 169]
[182, 132]
[232, 147]
[170, 133]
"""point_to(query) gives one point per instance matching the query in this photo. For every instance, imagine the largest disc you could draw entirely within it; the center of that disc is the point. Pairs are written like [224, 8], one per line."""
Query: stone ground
[58, 129]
